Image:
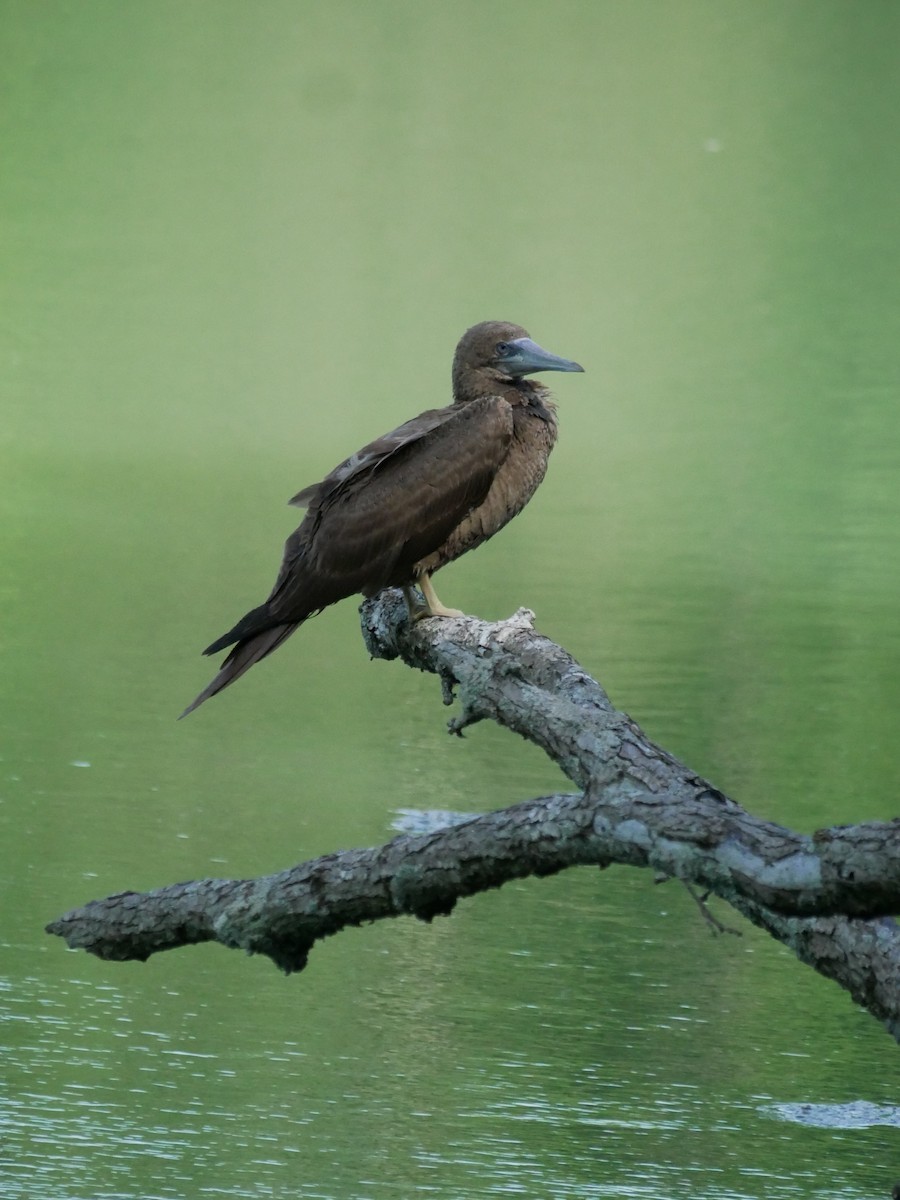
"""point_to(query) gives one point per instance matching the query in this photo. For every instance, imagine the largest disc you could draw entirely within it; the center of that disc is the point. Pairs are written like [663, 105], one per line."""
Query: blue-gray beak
[527, 357]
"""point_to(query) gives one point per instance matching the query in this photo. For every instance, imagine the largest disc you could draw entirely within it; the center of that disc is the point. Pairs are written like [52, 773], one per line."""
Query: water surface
[240, 242]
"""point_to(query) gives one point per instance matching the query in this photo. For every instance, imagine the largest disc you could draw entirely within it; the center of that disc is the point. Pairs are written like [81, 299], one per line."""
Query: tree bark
[826, 895]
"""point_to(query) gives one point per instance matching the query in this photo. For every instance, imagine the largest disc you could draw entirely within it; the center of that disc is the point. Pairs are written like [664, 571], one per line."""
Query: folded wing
[390, 505]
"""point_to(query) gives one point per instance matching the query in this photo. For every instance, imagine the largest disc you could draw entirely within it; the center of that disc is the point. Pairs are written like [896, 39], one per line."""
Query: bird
[413, 500]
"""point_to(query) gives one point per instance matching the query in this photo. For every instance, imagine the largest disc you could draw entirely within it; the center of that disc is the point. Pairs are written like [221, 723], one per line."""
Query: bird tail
[247, 652]
[255, 621]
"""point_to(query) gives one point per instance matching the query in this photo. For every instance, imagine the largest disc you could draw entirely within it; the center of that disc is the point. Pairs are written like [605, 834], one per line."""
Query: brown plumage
[399, 509]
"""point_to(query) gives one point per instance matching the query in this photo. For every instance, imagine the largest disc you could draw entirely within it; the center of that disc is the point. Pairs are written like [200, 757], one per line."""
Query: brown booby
[399, 509]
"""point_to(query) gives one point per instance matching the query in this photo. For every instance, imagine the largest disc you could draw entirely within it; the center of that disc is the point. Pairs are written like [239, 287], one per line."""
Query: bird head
[497, 351]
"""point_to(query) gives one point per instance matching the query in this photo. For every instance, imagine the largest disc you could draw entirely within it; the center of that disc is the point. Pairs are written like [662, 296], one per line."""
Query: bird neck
[474, 385]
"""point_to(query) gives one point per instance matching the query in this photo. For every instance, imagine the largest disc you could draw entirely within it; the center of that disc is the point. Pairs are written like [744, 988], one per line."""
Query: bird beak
[531, 357]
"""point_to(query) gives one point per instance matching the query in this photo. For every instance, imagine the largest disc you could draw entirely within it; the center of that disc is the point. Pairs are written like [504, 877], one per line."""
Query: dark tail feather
[247, 626]
[242, 658]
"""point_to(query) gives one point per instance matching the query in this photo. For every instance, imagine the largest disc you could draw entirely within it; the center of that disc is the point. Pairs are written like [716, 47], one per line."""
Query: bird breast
[516, 480]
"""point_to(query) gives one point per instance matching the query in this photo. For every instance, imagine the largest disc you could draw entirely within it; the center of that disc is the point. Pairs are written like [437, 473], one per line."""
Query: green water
[238, 241]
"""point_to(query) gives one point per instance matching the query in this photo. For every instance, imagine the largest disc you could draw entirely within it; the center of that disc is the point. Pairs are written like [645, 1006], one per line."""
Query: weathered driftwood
[826, 896]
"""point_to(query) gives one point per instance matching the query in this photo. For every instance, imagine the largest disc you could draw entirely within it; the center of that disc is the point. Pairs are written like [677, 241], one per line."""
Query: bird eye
[502, 349]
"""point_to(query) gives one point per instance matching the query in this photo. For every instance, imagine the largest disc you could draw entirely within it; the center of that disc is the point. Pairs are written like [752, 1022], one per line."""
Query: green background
[240, 240]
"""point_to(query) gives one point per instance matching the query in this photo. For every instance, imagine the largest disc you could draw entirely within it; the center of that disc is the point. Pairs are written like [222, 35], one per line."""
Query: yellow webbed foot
[430, 605]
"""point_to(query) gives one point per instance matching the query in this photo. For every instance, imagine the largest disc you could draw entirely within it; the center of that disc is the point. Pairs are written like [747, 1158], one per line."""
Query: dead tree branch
[827, 895]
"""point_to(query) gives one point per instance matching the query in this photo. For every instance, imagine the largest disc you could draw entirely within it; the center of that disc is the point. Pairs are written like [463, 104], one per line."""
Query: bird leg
[435, 608]
[430, 606]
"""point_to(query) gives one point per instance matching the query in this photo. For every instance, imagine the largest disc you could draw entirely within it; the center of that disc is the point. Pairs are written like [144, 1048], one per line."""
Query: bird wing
[372, 455]
[391, 504]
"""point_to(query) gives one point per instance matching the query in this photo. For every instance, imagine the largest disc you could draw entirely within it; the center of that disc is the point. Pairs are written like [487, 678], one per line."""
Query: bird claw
[428, 606]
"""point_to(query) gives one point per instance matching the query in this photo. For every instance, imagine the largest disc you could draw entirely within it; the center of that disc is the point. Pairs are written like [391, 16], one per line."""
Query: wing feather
[372, 455]
[387, 507]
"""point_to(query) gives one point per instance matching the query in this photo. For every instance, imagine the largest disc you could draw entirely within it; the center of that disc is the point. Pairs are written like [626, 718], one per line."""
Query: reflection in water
[229, 225]
[855, 1115]
[470, 1067]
